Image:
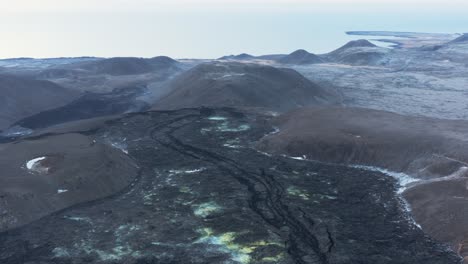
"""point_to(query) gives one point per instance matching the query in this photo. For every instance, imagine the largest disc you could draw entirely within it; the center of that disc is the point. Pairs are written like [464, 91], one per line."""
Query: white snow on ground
[304, 157]
[79, 219]
[16, 131]
[30, 165]
[276, 130]
[217, 118]
[460, 173]
[408, 210]
[404, 180]
[121, 146]
[234, 74]
[452, 159]
[194, 171]
[225, 76]
[187, 171]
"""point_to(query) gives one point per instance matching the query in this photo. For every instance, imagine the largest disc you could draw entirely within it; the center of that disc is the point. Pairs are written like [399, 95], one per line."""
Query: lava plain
[205, 195]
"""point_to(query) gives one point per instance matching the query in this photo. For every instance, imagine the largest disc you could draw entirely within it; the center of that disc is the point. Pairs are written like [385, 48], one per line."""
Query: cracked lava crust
[205, 195]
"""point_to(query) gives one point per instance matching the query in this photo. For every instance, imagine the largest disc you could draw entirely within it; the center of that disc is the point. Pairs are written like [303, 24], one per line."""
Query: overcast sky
[207, 28]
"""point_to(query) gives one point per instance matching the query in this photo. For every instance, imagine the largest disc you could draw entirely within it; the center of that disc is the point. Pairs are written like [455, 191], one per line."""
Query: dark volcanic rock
[419, 146]
[433, 151]
[439, 206]
[431, 48]
[22, 97]
[357, 52]
[357, 44]
[243, 85]
[117, 66]
[205, 196]
[105, 75]
[70, 169]
[128, 66]
[362, 58]
[162, 62]
[273, 57]
[90, 105]
[243, 56]
[113, 66]
[300, 57]
[54, 73]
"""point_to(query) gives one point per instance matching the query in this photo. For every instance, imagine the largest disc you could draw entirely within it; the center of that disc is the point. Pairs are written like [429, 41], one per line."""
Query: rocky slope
[428, 156]
[357, 52]
[243, 56]
[105, 75]
[423, 147]
[49, 173]
[205, 195]
[90, 105]
[124, 66]
[243, 85]
[300, 57]
[21, 97]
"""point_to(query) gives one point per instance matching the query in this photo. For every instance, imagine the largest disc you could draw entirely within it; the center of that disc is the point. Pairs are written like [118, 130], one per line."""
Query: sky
[208, 28]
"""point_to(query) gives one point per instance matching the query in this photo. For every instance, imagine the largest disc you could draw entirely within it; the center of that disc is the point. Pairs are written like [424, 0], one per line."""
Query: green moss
[241, 253]
[274, 259]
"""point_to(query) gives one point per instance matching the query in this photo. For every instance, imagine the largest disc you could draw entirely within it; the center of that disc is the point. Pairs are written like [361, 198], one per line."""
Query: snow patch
[187, 171]
[232, 75]
[217, 118]
[79, 219]
[34, 162]
[35, 165]
[460, 173]
[16, 131]
[231, 146]
[404, 180]
[121, 146]
[275, 131]
[299, 158]
[407, 208]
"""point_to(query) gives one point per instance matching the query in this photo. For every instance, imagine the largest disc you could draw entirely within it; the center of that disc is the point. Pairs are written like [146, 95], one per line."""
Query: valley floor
[205, 195]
